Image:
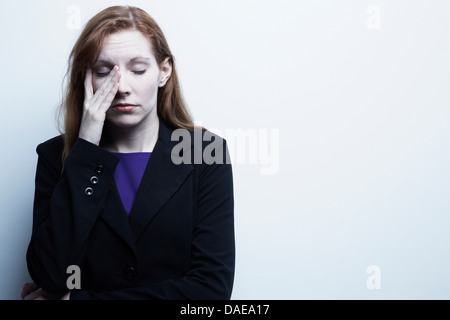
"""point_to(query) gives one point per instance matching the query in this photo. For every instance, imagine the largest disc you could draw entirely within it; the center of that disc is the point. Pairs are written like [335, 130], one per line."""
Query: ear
[165, 72]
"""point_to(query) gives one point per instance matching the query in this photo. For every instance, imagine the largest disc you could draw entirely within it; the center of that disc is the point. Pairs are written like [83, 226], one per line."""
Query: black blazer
[177, 243]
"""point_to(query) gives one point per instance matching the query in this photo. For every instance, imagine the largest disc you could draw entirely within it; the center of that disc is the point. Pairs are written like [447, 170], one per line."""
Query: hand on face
[96, 105]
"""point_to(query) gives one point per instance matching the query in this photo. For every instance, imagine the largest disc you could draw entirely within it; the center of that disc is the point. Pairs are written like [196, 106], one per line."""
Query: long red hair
[170, 104]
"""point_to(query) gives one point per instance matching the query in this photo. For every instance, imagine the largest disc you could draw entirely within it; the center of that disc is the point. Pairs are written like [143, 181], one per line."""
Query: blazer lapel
[162, 178]
[116, 217]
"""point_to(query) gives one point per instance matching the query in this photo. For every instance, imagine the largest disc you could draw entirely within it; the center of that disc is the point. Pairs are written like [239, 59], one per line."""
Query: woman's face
[140, 79]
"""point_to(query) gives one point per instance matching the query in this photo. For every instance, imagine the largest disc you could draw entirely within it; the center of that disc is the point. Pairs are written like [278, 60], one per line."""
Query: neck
[141, 138]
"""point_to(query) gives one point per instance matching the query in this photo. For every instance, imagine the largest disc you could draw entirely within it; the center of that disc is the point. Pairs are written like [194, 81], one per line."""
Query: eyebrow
[132, 61]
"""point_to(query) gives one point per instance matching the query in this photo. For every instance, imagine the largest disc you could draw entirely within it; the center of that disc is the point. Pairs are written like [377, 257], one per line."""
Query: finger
[106, 86]
[88, 89]
[66, 296]
[39, 298]
[33, 286]
[111, 86]
[115, 76]
[28, 288]
[33, 295]
[108, 93]
[25, 290]
[108, 99]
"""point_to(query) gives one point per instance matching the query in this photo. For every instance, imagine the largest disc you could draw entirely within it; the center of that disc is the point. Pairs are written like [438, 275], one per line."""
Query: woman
[110, 198]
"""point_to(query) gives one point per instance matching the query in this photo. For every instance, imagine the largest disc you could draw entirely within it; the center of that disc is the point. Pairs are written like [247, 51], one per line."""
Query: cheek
[145, 86]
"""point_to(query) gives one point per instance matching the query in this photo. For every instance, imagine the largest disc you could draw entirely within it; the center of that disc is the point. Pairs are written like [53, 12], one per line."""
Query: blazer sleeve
[66, 206]
[211, 272]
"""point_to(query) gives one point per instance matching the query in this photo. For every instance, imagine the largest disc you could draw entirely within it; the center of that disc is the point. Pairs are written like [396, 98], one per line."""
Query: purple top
[128, 175]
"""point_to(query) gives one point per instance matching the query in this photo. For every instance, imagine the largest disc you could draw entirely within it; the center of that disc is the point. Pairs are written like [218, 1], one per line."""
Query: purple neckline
[130, 153]
[128, 175]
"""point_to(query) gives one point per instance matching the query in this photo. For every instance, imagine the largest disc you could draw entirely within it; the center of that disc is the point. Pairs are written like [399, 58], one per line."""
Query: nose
[124, 85]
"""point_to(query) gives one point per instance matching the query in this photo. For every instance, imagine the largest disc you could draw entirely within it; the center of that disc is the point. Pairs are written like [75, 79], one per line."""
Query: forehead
[125, 45]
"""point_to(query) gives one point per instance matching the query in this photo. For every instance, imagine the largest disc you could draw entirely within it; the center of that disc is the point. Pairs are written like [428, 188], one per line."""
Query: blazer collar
[161, 179]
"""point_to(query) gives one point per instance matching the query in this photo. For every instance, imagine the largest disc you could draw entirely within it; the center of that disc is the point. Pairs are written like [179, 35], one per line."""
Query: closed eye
[140, 72]
[102, 74]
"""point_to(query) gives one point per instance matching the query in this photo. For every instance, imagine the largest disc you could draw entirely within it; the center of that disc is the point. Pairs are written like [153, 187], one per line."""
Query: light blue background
[363, 118]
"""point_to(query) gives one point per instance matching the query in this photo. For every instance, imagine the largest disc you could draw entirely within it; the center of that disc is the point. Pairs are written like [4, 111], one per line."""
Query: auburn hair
[171, 107]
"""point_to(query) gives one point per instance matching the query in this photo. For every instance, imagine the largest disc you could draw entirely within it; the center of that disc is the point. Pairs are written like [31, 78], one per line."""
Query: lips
[124, 107]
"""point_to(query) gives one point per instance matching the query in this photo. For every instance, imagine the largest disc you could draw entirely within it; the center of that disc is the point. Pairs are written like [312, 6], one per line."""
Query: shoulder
[51, 150]
[194, 145]
[53, 145]
[197, 137]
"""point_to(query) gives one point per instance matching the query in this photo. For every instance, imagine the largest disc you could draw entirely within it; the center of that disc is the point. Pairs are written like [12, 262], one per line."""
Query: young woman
[110, 199]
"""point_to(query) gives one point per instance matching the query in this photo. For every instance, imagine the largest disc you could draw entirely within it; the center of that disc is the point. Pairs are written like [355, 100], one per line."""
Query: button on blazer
[177, 243]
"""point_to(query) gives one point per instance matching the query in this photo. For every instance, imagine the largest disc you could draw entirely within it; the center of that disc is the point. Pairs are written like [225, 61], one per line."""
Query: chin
[125, 122]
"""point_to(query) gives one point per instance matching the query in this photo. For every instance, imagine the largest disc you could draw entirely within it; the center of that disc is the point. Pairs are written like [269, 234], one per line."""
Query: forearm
[65, 214]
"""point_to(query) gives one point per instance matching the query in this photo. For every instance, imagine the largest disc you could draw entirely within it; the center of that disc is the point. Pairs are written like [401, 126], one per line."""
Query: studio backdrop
[337, 116]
